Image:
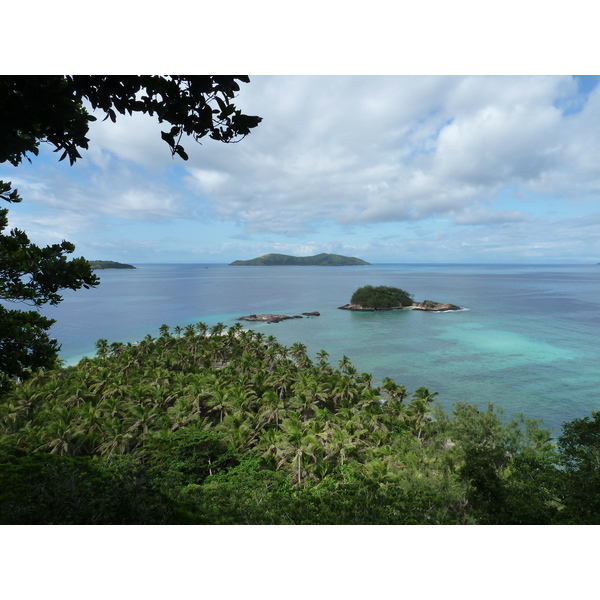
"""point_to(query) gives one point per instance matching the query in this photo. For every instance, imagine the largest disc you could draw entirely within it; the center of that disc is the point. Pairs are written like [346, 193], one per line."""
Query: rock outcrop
[270, 318]
[427, 305]
[433, 306]
[360, 308]
[265, 318]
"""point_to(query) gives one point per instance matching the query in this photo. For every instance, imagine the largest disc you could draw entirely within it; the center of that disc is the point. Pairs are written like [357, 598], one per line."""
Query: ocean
[528, 339]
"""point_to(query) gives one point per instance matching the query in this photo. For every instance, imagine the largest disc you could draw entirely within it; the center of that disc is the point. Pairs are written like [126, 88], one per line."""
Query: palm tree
[371, 411]
[340, 445]
[366, 379]
[109, 407]
[271, 357]
[218, 401]
[273, 408]
[241, 399]
[61, 438]
[142, 415]
[424, 394]
[377, 469]
[418, 410]
[90, 417]
[322, 357]
[118, 438]
[280, 379]
[18, 407]
[239, 429]
[305, 404]
[116, 349]
[316, 392]
[116, 387]
[345, 392]
[102, 348]
[269, 446]
[201, 328]
[298, 352]
[296, 448]
[394, 391]
[344, 364]
[217, 329]
[235, 330]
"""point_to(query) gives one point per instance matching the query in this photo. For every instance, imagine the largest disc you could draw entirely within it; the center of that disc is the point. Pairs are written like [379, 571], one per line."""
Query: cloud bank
[462, 166]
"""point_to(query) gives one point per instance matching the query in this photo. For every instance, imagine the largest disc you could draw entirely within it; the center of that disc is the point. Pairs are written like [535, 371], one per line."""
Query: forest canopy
[210, 425]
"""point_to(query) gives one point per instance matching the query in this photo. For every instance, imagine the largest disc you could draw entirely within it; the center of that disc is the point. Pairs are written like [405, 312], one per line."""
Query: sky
[391, 169]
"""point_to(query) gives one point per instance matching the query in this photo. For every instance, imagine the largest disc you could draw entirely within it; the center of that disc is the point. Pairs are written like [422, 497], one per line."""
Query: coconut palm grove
[216, 425]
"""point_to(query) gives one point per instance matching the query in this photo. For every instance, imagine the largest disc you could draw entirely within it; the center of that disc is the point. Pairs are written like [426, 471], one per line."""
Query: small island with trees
[109, 264]
[319, 260]
[383, 297]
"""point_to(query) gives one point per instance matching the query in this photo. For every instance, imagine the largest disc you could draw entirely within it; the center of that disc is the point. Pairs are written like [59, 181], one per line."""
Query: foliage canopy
[51, 109]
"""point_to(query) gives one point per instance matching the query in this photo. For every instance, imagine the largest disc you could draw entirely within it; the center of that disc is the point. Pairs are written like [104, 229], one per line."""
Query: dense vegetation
[319, 260]
[381, 297]
[213, 426]
[109, 264]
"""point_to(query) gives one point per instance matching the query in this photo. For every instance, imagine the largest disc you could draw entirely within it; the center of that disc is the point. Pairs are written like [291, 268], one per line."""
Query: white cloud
[134, 138]
[490, 217]
[53, 228]
[207, 180]
[370, 149]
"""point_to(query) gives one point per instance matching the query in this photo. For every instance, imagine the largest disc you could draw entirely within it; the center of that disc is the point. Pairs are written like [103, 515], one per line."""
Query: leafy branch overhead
[52, 109]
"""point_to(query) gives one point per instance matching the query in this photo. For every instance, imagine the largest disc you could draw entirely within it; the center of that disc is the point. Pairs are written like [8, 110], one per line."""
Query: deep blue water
[529, 341]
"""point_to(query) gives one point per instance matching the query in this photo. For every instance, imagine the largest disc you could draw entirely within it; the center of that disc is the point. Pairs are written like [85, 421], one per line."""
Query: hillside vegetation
[321, 260]
[213, 426]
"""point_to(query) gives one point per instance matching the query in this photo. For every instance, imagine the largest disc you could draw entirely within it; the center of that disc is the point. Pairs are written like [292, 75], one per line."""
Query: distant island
[109, 264]
[320, 260]
[383, 297]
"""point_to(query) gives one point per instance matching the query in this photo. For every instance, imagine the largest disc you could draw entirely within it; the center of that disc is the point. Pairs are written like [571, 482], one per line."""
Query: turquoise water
[527, 339]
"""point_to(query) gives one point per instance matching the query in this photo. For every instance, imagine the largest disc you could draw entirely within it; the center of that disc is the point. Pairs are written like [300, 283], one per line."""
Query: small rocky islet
[385, 297]
[367, 299]
[270, 318]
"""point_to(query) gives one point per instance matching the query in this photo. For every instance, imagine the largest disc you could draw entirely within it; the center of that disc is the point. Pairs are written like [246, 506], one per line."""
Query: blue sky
[474, 169]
